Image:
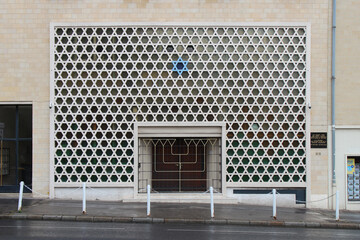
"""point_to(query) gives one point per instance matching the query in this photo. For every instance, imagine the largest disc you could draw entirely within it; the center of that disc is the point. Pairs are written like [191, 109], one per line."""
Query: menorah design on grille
[179, 164]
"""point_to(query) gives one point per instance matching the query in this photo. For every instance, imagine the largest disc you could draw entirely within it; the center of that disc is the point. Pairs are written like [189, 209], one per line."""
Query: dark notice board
[318, 140]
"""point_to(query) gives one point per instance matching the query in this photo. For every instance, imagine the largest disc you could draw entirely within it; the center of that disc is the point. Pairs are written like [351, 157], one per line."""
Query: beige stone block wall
[24, 50]
[347, 63]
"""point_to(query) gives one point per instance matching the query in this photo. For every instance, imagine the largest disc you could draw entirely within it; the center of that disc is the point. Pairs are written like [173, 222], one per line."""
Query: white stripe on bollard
[84, 199]
[274, 203]
[148, 201]
[337, 217]
[21, 191]
[212, 202]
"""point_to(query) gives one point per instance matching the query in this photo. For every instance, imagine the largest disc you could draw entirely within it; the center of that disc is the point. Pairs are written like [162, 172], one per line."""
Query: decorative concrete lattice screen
[251, 78]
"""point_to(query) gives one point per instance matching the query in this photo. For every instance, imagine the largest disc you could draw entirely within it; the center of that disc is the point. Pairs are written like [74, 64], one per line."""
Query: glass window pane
[8, 117]
[25, 163]
[7, 163]
[25, 121]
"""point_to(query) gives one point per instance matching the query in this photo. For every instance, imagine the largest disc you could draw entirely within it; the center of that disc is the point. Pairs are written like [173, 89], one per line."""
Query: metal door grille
[179, 164]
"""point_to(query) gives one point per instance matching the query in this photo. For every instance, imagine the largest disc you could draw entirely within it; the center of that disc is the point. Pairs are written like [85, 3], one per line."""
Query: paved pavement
[235, 214]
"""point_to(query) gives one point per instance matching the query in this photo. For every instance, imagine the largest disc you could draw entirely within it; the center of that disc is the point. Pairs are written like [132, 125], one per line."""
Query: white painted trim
[348, 127]
[174, 24]
[136, 160]
[180, 124]
[52, 120]
[257, 185]
[223, 160]
[308, 112]
[178, 135]
[102, 185]
[17, 103]
[179, 131]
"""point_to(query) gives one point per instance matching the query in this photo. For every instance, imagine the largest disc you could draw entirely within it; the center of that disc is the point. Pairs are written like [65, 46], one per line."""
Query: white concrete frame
[52, 112]
[179, 24]
[308, 115]
[243, 24]
[184, 125]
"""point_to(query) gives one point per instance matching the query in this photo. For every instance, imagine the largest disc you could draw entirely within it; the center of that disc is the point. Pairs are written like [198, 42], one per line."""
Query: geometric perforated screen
[251, 78]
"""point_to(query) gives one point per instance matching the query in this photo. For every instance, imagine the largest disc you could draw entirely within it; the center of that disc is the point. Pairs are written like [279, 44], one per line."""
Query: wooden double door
[179, 165]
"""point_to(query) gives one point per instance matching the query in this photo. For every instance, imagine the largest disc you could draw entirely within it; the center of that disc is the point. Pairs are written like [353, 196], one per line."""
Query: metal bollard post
[337, 217]
[274, 203]
[212, 202]
[84, 199]
[21, 191]
[148, 201]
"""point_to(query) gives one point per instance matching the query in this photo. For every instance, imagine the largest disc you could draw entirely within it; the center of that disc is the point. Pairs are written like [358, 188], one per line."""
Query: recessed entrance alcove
[175, 159]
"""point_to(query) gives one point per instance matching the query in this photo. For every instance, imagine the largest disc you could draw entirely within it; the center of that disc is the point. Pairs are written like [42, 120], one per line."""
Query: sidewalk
[103, 211]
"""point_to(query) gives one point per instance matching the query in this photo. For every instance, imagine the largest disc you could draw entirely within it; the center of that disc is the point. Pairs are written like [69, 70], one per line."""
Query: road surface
[20, 229]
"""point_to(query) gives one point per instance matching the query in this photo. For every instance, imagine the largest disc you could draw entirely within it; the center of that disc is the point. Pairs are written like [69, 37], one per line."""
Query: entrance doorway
[15, 146]
[180, 164]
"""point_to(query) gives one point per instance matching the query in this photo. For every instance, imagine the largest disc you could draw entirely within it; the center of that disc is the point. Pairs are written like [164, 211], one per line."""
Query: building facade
[179, 95]
[346, 108]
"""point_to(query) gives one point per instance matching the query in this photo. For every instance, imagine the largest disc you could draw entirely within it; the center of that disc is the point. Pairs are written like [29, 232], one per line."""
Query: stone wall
[24, 52]
[347, 95]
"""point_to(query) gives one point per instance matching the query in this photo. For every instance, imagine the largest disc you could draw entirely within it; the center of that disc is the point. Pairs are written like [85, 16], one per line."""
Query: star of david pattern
[251, 78]
[180, 66]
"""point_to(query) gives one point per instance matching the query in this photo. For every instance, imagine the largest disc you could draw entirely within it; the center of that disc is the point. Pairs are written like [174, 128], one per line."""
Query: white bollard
[148, 201]
[337, 217]
[274, 203]
[84, 199]
[21, 191]
[212, 202]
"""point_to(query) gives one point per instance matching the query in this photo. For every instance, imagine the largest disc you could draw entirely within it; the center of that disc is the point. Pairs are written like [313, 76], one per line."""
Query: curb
[84, 218]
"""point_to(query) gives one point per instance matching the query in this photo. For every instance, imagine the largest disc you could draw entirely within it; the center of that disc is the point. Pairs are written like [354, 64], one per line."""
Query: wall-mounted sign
[350, 166]
[319, 140]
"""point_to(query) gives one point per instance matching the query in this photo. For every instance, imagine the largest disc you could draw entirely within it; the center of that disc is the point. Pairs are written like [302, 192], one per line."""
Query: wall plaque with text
[319, 140]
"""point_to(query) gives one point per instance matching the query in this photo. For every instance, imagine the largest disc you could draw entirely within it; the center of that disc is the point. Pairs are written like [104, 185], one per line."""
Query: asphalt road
[17, 229]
